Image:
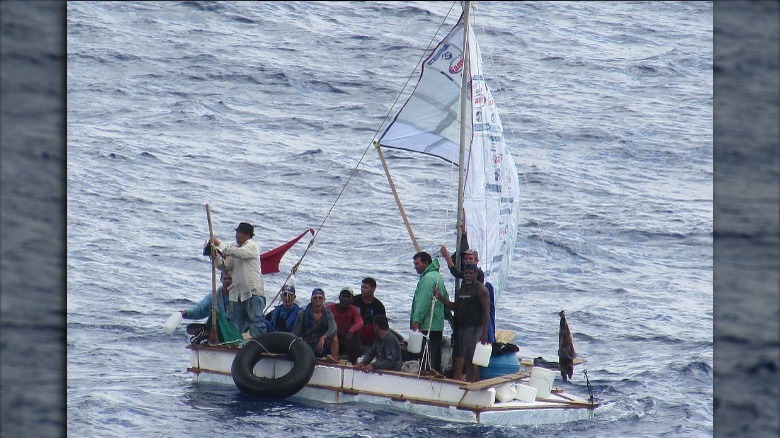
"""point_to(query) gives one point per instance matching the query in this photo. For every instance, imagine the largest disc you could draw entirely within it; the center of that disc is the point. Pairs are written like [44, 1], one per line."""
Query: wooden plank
[482, 384]
[569, 401]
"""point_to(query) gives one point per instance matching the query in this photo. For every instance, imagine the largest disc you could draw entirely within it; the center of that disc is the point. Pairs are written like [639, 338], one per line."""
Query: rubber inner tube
[284, 386]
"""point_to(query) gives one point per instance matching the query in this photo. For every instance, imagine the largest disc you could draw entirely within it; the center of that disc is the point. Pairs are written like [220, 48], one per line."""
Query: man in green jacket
[431, 323]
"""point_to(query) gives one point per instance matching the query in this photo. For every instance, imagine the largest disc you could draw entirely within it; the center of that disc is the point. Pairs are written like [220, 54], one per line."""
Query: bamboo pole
[397, 199]
[213, 337]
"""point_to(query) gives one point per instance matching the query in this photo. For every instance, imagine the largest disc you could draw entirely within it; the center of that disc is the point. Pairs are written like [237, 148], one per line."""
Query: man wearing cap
[427, 315]
[316, 326]
[469, 256]
[282, 318]
[348, 323]
[472, 308]
[247, 296]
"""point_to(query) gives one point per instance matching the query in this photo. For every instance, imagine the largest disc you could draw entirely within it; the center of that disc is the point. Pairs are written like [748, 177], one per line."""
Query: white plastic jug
[173, 321]
[482, 354]
[542, 379]
[415, 342]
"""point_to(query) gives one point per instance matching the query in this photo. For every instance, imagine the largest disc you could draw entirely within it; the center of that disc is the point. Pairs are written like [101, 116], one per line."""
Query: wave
[203, 6]
[697, 368]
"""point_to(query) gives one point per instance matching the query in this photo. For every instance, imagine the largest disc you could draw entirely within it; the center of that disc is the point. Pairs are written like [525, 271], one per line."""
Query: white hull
[432, 397]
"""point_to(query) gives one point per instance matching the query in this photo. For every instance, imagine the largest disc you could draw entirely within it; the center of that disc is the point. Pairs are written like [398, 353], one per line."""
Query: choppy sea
[266, 112]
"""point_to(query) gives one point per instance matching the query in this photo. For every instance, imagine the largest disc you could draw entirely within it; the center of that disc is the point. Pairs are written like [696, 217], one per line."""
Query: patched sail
[429, 122]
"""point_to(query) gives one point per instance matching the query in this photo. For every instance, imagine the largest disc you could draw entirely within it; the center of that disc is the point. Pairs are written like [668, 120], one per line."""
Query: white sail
[429, 123]
[429, 120]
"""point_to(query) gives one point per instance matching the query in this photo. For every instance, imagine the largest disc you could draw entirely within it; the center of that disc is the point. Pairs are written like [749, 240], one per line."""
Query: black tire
[277, 342]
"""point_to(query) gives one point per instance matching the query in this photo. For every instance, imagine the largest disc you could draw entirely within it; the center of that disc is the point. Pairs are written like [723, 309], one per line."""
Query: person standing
[427, 314]
[247, 296]
[348, 324]
[282, 318]
[472, 310]
[386, 349]
[370, 307]
[468, 255]
[316, 326]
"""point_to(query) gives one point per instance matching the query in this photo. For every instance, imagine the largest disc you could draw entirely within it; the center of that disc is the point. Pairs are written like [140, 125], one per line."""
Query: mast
[465, 100]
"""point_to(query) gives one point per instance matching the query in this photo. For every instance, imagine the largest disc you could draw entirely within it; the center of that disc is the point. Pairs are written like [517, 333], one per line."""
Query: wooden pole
[397, 199]
[465, 105]
[213, 337]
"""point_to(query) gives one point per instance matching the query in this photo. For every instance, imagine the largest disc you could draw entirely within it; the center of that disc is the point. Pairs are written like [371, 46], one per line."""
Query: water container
[525, 393]
[415, 342]
[542, 379]
[505, 392]
[500, 364]
[482, 354]
[173, 321]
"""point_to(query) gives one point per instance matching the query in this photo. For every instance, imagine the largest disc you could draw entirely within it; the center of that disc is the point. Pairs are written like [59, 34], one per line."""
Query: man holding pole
[247, 296]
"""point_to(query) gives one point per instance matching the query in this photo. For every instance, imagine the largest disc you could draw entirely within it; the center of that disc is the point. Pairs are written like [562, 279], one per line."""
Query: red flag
[269, 260]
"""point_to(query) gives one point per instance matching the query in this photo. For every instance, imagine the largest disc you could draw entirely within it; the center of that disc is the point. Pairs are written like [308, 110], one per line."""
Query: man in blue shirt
[282, 318]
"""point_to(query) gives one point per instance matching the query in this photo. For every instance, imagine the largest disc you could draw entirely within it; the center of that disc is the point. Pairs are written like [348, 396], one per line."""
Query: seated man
[386, 349]
[369, 307]
[348, 323]
[282, 318]
[203, 308]
[199, 331]
[316, 326]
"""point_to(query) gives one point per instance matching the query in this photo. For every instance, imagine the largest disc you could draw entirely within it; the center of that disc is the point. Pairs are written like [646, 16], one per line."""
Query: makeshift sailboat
[435, 121]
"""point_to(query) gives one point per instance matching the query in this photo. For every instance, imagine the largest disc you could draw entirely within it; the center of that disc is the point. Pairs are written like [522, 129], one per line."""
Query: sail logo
[444, 51]
[456, 65]
[479, 100]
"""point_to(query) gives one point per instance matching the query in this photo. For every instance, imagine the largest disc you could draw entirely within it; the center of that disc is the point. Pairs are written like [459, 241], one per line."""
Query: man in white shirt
[247, 296]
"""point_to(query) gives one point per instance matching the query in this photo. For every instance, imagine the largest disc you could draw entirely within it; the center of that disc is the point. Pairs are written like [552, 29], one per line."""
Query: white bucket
[542, 379]
[505, 392]
[173, 321]
[415, 342]
[482, 354]
[525, 393]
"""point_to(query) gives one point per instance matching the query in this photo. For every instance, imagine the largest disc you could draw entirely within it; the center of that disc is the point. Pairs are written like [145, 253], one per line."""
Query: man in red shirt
[349, 324]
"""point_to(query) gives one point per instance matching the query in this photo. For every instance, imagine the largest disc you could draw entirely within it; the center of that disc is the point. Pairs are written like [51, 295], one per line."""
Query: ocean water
[266, 110]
